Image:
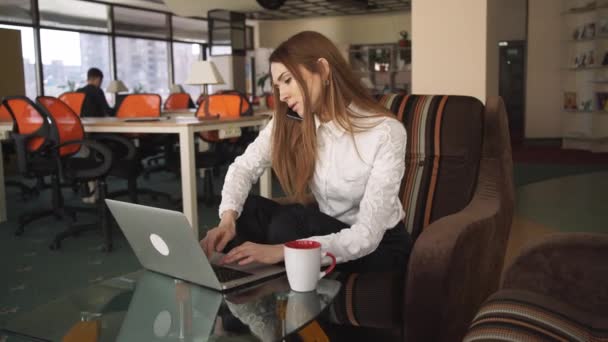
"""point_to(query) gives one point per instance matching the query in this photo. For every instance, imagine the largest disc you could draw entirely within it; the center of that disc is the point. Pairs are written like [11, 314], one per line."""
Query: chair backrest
[178, 101]
[139, 105]
[444, 139]
[269, 101]
[67, 123]
[4, 114]
[74, 100]
[29, 120]
[227, 104]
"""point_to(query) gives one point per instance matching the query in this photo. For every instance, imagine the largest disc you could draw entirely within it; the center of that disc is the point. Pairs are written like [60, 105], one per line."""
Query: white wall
[449, 47]
[344, 30]
[543, 90]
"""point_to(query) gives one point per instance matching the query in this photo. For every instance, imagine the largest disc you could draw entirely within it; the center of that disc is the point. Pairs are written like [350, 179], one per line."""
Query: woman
[338, 155]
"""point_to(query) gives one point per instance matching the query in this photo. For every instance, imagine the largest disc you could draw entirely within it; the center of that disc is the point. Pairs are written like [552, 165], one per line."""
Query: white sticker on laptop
[159, 244]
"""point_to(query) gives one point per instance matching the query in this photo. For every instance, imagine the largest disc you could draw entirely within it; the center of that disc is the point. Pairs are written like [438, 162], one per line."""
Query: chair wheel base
[55, 245]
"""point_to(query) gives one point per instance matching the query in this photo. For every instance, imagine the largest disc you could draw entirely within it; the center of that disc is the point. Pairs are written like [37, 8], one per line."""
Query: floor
[550, 198]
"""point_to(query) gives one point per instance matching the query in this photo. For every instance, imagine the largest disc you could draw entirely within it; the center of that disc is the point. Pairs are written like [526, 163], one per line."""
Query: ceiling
[293, 9]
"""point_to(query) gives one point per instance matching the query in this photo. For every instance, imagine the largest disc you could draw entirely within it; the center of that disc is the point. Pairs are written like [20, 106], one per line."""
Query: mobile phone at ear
[293, 115]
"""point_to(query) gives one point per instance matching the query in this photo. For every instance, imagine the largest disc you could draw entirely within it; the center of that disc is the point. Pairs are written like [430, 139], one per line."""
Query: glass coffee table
[147, 306]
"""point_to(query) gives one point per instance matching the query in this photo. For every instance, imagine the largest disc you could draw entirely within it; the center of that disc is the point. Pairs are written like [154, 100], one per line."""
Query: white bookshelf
[584, 79]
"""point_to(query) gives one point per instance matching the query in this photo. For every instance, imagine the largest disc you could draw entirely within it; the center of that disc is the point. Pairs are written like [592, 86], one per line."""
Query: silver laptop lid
[163, 241]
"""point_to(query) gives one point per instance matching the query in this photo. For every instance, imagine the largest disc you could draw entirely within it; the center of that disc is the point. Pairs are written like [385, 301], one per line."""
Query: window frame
[111, 34]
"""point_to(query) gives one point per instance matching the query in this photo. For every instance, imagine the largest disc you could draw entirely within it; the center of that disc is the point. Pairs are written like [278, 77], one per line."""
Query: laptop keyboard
[227, 274]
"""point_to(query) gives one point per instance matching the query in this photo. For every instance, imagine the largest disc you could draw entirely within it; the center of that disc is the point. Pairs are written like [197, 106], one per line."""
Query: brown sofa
[458, 196]
[555, 290]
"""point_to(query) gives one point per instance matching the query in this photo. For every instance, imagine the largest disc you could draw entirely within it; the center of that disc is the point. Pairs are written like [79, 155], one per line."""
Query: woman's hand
[250, 252]
[217, 238]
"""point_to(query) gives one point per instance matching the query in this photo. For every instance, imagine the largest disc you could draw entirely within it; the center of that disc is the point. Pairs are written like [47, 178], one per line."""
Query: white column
[449, 40]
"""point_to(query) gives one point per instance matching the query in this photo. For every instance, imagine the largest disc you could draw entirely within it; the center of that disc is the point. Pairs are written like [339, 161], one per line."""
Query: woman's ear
[324, 68]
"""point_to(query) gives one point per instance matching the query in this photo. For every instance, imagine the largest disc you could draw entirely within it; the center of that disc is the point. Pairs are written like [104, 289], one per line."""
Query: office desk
[185, 127]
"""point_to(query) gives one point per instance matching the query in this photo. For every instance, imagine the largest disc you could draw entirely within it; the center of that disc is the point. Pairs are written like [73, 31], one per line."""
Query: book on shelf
[570, 102]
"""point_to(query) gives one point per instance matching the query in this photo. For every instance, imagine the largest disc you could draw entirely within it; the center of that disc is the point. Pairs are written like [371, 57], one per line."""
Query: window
[141, 23]
[183, 57]
[29, 58]
[142, 65]
[75, 15]
[66, 57]
[191, 30]
[226, 29]
[16, 11]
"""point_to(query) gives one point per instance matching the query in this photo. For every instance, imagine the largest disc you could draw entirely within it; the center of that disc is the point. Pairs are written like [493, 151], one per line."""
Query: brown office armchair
[458, 196]
[555, 290]
[74, 100]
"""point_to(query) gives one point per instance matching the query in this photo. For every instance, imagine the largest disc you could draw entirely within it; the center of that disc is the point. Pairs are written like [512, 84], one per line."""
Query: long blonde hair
[294, 151]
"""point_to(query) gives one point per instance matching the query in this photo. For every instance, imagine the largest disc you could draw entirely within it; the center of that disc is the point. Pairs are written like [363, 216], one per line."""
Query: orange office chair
[227, 104]
[178, 101]
[46, 146]
[4, 114]
[74, 100]
[139, 105]
[7, 149]
[68, 131]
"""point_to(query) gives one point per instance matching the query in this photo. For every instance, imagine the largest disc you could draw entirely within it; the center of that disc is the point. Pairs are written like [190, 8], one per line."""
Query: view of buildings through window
[142, 63]
[66, 57]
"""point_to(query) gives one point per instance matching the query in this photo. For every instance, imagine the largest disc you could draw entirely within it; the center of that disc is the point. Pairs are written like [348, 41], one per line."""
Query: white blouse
[356, 181]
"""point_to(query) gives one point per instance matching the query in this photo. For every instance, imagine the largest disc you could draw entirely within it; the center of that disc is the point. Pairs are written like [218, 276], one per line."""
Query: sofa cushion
[517, 315]
[442, 156]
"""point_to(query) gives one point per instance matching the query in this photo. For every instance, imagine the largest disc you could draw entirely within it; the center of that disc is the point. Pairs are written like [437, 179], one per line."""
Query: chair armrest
[570, 267]
[101, 152]
[456, 263]
[118, 139]
[21, 141]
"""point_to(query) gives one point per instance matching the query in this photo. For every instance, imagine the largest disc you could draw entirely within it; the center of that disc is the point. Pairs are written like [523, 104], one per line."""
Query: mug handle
[331, 268]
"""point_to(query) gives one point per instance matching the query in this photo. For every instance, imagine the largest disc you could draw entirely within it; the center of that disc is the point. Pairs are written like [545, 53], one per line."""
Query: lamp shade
[204, 72]
[116, 86]
[176, 89]
[367, 82]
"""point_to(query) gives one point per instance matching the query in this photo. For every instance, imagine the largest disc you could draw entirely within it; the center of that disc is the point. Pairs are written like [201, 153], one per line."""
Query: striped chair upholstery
[448, 189]
[555, 290]
[525, 316]
[442, 156]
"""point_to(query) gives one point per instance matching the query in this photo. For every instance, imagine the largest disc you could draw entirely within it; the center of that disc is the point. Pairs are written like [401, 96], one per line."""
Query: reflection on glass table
[146, 306]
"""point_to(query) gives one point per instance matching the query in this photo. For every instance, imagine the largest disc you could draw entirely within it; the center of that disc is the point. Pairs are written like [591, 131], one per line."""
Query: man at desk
[95, 103]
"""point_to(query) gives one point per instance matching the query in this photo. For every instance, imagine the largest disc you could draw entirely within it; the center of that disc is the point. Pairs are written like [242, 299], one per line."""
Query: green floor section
[568, 204]
[33, 275]
[526, 173]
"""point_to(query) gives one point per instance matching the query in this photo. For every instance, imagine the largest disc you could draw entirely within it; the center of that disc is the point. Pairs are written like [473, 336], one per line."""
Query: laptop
[167, 309]
[164, 242]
